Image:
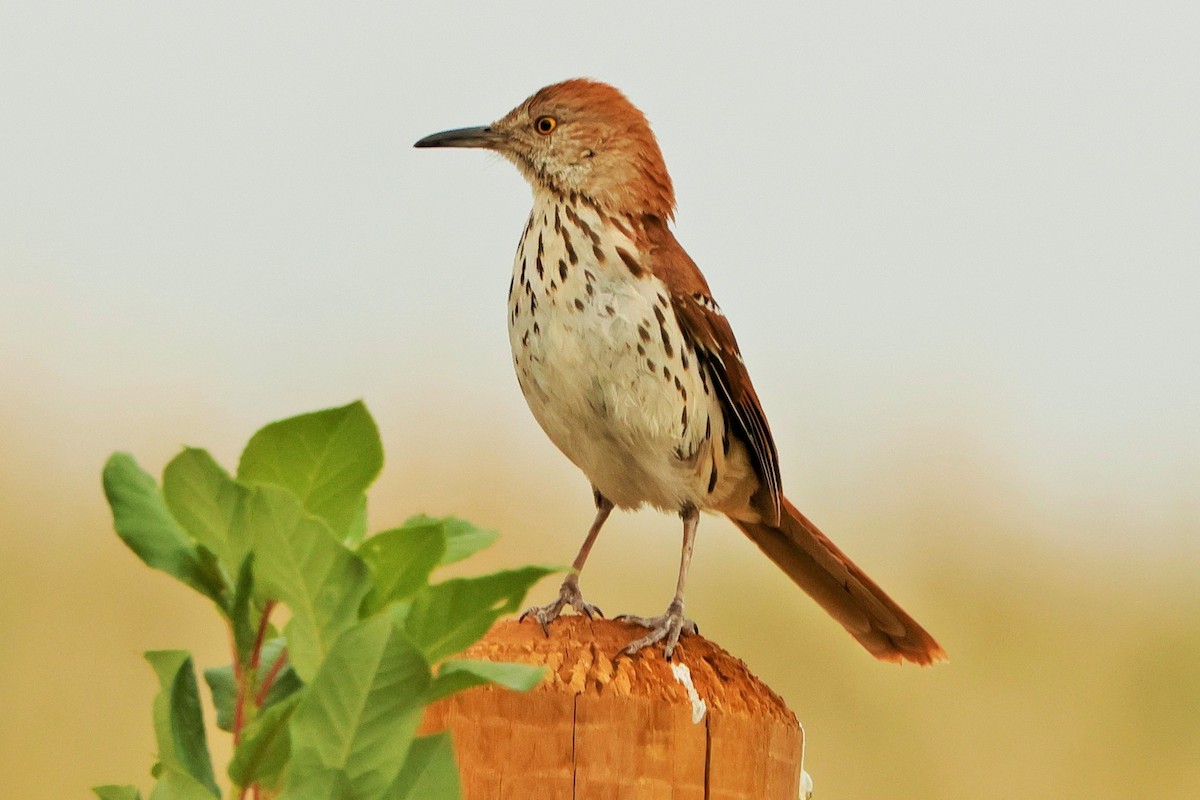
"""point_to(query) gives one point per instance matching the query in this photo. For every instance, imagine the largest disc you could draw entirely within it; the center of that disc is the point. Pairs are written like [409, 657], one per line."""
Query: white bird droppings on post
[684, 676]
[806, 785]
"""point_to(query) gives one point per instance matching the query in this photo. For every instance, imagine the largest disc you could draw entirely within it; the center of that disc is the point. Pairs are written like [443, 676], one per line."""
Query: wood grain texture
[603, 727]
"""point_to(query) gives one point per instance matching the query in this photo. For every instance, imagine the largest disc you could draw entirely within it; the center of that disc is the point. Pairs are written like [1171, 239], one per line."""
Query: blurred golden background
[959, 247]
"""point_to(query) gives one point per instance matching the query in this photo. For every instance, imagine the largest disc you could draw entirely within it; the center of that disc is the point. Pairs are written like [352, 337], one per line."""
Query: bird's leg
[568, 593]
[668, 627]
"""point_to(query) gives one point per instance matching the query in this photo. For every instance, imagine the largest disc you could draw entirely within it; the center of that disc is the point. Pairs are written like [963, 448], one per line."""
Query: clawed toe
[590, 611]
[568, 595]
[667, 628]
[543, 614]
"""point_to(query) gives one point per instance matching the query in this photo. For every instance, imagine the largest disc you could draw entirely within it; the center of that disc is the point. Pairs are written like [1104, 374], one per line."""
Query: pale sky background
[959, 243]
[929, 216]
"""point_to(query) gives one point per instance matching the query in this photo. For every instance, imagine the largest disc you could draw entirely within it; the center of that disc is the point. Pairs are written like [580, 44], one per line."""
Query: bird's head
[583, 137]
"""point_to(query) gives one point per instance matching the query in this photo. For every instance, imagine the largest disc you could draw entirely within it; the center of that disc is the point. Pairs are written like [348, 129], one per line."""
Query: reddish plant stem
[272, 674]
[246, 677]
[256, 654]
[239, 681]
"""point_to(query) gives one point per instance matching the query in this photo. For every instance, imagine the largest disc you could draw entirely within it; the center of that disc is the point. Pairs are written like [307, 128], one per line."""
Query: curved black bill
[482, 136]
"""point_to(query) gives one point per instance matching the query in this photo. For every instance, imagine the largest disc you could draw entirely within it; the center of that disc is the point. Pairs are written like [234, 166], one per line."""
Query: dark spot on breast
[541, 271]
[583, 226]
[533, 304]
[666, 339]
[683, 419]
[641, 350]
[650, 365]
[578, 304]
[683, 358]
[589, 276]
[511, 283]
[588, 232]
[644, 332]
[610, 311]
[662, 299]
[632, 263]
[553, 286]
[708, 427]
[666, 373]
[574, 259]
[557, 221]
[712, 479]
[562, 268]
[536, 329]
[590, 291]
[525, 339]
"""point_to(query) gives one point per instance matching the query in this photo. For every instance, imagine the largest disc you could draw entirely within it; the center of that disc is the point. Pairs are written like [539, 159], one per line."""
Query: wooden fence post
[599, 726]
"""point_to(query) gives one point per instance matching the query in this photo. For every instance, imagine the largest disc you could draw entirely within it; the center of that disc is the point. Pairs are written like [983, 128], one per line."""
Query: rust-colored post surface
[701, 727]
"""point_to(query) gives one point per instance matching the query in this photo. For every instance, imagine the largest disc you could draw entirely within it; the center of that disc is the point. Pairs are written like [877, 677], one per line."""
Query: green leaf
[462, 538]
[401, 560]
[360, 712]
[358, 525]
[309, 780]
[454, 676]
[429, 772]
[299, 561]
[223, 687]
[204, 499]
[114, 792]
[178, 721]
[327, 459]
[176, 785]
[143, 522]
[286, 681]
[451, 616]
[265, 746]
[241, 609]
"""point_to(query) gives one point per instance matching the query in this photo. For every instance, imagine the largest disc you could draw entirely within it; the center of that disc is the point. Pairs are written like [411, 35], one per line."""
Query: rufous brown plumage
[632, 369]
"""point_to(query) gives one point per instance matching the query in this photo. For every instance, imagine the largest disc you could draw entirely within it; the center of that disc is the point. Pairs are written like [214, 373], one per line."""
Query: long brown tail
[841, 588]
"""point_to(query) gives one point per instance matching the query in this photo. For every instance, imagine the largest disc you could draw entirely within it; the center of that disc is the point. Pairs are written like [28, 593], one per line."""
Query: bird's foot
[666, 628]
[568, 595]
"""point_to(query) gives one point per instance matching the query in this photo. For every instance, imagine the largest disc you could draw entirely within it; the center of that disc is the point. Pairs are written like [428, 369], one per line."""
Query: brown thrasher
[632, 370]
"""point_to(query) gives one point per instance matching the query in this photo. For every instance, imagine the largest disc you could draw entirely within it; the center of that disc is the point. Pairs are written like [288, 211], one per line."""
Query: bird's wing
[716, 349]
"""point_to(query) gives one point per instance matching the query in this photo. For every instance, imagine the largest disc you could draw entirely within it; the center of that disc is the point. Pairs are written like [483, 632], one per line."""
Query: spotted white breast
[606, 369]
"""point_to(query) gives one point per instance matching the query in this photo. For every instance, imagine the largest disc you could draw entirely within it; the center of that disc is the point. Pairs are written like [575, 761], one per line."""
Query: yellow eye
[545, 125]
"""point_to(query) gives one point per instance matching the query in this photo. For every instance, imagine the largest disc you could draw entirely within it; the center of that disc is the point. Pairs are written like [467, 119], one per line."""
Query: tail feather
[841, 588]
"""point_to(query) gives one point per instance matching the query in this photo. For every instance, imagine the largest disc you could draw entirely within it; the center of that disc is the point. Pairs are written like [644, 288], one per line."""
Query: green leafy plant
[328, 707]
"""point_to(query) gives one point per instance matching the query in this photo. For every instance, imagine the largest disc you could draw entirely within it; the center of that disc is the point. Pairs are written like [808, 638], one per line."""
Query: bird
[632, 370]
